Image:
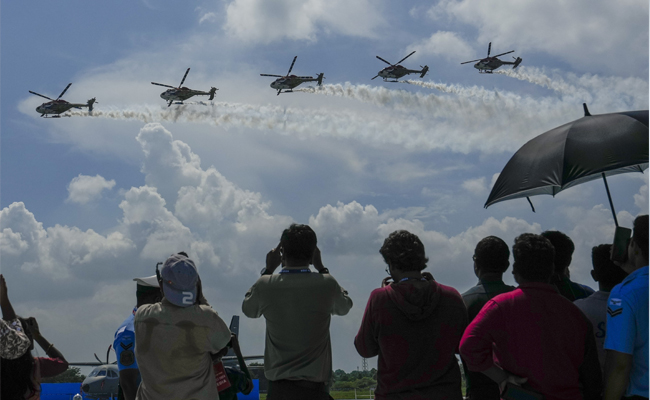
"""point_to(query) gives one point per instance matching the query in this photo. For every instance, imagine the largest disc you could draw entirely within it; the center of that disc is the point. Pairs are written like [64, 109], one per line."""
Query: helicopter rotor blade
[277, 76]
[384, 60]
[64, 90]
[38, 94]
[471, 61]
[100, 361]
[507, 52]
[160, 84]
[108, 352]
[489, 48]
[291, 67]
[184, 76]
[405, 57]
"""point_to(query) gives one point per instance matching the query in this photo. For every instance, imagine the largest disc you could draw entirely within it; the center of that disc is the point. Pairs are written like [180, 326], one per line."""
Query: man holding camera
[175, 338]
[626, 343]
[297, 305]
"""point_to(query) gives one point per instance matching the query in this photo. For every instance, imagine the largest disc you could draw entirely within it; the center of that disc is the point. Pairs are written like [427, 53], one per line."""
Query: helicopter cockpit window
[94, 373]
[102, 373]
[112, 374]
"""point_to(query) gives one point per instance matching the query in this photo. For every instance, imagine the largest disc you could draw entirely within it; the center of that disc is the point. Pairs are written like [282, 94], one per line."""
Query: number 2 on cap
[188, 298]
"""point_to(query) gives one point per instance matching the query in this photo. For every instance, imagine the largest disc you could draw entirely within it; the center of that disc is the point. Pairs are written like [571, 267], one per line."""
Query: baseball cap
[150, 281]
[179, 276]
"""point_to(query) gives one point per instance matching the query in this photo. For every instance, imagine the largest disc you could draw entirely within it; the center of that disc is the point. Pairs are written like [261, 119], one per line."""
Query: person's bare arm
[617, 374]
[502, 377]
[49, 348]
[129, 383]
[7, 310]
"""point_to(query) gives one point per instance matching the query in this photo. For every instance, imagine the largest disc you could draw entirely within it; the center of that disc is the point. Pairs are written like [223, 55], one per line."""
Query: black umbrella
[589, 148]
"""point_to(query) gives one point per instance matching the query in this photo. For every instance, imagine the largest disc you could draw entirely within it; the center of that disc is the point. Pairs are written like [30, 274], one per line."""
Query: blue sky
[89, 203]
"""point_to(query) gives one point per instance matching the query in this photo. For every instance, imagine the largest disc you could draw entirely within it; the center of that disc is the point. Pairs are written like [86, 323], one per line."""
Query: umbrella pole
[609, 196]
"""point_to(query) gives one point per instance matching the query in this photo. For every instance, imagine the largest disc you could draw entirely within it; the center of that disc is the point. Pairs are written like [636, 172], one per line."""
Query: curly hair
[564, 248]
[404, 250]
[298, 242]
[492, 255]
[534, 255]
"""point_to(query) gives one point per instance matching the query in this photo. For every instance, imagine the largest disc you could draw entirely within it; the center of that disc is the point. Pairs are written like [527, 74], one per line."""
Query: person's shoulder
[473, 291]
[449, 293]
[147, 310]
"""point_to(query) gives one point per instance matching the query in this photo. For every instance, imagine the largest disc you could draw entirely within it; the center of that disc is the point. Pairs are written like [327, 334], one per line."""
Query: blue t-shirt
[124, 344]
[627, 327]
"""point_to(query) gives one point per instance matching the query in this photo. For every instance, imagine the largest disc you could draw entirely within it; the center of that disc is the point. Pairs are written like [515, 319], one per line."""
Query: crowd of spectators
[548, 338]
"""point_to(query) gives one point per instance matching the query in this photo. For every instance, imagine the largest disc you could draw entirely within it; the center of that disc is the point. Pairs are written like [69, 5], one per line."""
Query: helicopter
[181, 93]
[59, 105]
[396, 71]
[291, 81]
[489, 64]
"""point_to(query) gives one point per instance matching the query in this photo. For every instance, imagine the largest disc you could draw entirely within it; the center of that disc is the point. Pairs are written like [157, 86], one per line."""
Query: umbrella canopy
[589, 148]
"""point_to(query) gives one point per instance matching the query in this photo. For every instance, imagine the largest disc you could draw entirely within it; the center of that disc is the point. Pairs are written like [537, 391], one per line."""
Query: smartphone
[621, 241]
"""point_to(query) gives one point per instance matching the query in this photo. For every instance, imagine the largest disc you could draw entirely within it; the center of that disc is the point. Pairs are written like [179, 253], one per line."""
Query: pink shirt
[534, 332]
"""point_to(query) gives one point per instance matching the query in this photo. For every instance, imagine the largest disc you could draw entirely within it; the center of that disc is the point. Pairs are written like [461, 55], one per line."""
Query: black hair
[404, 250]
[564, 248]
[533, 256]
[640, 235]
[608, 273]
[147, 295]
[16, 376]
[492, 255]
[298, 242]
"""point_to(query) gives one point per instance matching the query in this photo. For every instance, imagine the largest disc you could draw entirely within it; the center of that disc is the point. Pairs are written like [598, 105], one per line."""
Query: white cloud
[84, 189]
[475, 186]
[208, 17]
[588, 34]
[263, 21]
[444, 44]
[641, 198]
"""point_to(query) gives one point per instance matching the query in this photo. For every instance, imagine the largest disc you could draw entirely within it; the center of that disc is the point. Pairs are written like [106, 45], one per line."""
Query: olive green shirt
[298, 309]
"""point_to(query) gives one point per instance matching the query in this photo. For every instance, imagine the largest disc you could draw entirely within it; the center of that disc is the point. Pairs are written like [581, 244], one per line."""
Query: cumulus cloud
[448, 45]
[260, 21]
[606, 33]
[641, 198]
[84, 189]
[475, 186]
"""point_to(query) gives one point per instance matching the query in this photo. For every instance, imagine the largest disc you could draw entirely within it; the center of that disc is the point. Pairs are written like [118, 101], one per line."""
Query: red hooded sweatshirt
[415, 327]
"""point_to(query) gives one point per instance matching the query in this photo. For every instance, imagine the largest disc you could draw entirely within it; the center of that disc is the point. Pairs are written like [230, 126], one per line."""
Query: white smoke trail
[454, 132]
[613, 93]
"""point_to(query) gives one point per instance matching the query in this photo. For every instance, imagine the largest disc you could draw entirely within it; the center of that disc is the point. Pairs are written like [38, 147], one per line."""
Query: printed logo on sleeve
[615, 302]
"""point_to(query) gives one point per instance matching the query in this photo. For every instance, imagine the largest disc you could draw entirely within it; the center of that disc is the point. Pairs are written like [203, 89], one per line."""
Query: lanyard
[295, 271]
[406, 279]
